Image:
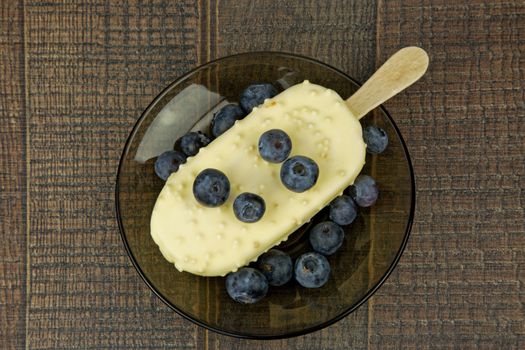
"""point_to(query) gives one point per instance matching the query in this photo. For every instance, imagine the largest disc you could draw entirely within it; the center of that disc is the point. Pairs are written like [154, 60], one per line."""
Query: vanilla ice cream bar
[212, 241]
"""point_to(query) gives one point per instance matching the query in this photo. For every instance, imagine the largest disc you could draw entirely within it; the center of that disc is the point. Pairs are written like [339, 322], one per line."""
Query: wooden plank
[339, 33]
[95, 66]
[460, 282]
[13, 166]
[349, 333]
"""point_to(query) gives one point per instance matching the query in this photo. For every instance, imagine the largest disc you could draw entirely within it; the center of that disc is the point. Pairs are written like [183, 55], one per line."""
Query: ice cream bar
[212, 241]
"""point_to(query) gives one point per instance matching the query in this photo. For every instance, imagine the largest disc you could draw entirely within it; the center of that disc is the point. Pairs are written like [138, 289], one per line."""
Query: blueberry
[343, 210]
[276, 266]
[364, 191]
[299, 173]
[275, 146]
[375, 138]
[326, 237]
[248, 207]
[312, 270]
[247, 285]
[255, 95]
[225, 118]
[211, 188]
[192, 142]
[168, 162]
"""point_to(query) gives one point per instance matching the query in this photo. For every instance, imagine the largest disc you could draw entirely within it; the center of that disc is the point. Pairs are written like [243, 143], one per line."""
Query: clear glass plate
[373, 243]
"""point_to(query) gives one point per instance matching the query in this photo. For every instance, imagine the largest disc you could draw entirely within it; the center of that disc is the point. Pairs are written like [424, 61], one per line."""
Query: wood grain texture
[460, 282]
[93, 68]
[340, 33]
[89, 68]
[13, 168]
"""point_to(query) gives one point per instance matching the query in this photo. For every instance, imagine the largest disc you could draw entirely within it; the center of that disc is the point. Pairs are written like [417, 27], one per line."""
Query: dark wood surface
[75, 76]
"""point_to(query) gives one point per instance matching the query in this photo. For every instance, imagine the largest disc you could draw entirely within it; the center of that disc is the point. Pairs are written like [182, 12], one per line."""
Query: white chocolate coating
[212, 241]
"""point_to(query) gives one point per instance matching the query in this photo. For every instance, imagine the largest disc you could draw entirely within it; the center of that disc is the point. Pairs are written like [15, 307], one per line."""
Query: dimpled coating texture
[212, 241]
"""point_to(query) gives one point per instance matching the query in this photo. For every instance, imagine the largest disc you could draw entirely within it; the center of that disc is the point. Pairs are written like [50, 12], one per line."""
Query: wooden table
[75, 78]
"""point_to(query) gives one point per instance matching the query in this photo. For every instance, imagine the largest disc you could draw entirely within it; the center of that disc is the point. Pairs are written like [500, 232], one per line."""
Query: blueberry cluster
[311, 269]
[249, 285]
[251, 97]
[169, 161]
[211, 187]
[298, 173]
